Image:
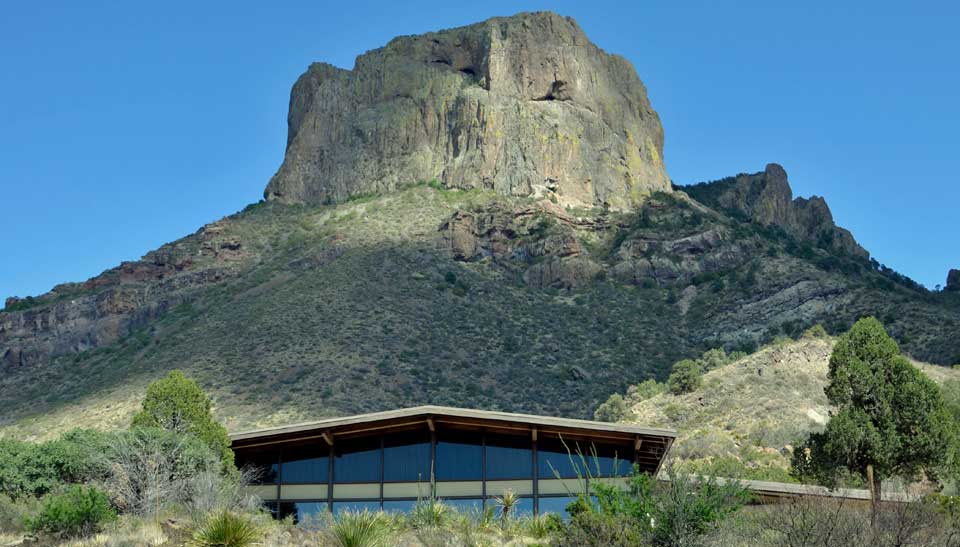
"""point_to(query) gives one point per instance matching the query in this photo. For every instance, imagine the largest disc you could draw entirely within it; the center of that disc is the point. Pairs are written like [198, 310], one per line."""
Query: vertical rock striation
[524, 105]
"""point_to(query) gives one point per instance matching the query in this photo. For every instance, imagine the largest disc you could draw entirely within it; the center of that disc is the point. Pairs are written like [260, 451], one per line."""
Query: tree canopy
[177, 403]
[890, 418]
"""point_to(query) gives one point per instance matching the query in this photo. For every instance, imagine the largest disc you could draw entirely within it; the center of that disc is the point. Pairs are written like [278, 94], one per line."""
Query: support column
[536, 472]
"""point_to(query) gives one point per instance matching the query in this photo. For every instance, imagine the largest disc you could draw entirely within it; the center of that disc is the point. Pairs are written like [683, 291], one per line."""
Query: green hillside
[293, 312]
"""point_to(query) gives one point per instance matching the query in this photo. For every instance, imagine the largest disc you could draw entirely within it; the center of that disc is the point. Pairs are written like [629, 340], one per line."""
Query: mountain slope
[752, 411]
[439, 296]
[546, 264]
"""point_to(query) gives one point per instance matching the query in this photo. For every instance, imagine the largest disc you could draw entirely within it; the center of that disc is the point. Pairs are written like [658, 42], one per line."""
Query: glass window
[355, 506]
[407, 458]
[302, 510]
[509, 458]
[264, 466]
[554, 458]
[306, 465]
[459, 457]
[523, 508]
[601, 461]
[611, 461]
[556, 505]
[399, 506]
[357, 461]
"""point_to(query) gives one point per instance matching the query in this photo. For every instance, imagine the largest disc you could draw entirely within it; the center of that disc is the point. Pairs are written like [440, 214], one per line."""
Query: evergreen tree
[177, 403]
[890, 419]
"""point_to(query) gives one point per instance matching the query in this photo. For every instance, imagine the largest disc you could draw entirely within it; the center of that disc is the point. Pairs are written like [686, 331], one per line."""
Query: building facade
[467, 458]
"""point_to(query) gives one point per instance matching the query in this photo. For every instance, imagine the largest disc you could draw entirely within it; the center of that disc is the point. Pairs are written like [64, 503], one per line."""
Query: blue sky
[126, 125]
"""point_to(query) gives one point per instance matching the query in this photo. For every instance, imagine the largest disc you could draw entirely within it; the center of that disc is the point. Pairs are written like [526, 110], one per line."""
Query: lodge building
[390, 460]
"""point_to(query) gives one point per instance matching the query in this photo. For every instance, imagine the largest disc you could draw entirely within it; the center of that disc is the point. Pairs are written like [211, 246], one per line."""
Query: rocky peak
[524, 105]
[953, 280]
[767, 199]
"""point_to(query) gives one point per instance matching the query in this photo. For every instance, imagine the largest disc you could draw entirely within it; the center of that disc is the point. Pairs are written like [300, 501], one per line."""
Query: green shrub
[685, 378]
[226, 529]
[680, 512]
[29, 469]
[645, 390]
[361, 529]
[77, 512]
[177, 403]
[613, 410]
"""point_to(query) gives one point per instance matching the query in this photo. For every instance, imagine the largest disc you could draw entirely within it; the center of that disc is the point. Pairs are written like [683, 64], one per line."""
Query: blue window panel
[523, 508]
[399, 506]
[509, 459]
[556, 505]
[406, 459]
[553, 459]
[264, 467]
[357, 463]
[458, 460]
[611, 466]
[310, 465]
[355, 506]
[470, 506]
[303, 511]
[582, 459]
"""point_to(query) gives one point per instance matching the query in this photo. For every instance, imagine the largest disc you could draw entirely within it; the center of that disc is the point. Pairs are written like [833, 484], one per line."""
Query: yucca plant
[429, 514]
[360, 529]
[507, 503]
[226, 529]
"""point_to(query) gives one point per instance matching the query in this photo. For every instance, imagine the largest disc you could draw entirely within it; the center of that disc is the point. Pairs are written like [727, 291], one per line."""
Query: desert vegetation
[168, 480]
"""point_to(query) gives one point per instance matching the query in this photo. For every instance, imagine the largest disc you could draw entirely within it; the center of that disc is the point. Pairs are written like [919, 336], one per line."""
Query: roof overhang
[656, 441]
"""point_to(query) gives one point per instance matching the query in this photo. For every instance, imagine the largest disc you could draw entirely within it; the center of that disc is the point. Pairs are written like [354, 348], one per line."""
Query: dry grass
[756, 408]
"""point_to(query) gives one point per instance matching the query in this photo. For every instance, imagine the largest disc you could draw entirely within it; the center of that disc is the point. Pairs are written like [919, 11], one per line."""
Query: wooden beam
[638, 443]
[327, 436]
[533, 433]
[431, 425]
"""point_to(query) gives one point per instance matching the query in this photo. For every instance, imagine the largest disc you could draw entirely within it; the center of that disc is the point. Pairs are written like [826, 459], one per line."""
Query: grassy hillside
[748, 415]
[306, 312]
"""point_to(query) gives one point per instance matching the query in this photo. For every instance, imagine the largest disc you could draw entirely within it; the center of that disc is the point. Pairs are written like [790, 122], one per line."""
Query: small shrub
[613, 410]
[226, 529]
[78, 511]
[685, 378]
[13, 513]
[429, 514]
[361, 529]
[814, 332]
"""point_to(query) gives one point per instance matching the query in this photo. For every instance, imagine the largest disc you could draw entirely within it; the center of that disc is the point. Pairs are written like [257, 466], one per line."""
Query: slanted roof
[653, 443]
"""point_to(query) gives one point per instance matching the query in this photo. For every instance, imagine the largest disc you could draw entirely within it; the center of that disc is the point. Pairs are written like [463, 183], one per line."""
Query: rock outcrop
[75, 317]
[767, 199]
[524, 105]
[953, 280]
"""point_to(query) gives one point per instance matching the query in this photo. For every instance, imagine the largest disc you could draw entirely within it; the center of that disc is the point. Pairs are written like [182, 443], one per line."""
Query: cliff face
[767, 199]
[525, 105]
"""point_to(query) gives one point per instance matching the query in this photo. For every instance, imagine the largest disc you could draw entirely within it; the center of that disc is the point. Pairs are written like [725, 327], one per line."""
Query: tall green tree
[177, 403]
[890, 418]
